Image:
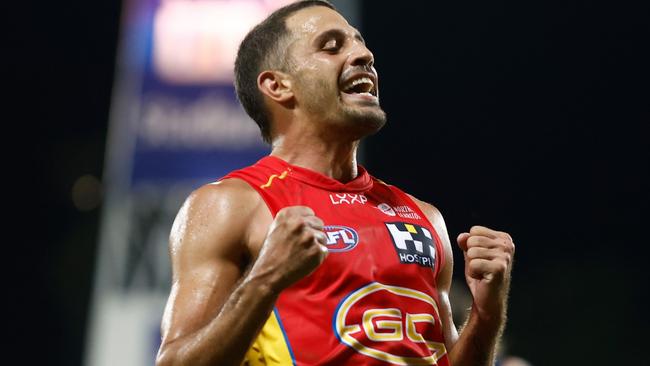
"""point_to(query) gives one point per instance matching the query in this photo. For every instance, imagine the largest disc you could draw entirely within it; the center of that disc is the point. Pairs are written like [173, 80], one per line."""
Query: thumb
[462, 241]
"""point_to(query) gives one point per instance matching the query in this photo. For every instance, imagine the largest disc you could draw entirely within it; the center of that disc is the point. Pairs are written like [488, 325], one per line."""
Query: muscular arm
[476, 345]
[215, 309]
[213, 312]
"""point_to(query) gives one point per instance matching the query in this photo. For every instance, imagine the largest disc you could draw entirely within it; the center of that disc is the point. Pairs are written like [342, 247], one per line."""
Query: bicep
[197, 296]
[207, 254]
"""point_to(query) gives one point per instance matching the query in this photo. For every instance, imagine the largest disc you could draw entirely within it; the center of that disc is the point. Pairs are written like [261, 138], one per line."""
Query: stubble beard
[355, 121]
[368, 120]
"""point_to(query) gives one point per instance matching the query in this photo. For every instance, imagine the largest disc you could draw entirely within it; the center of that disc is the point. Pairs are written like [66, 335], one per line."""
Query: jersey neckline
[363, 181]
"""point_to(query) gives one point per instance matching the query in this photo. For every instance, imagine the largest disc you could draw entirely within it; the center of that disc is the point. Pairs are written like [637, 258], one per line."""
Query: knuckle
[316, 237]
[319, 235]
[307, 238]
[278, 227]
[478, 241]
[503, 267]
[472, 252]
[474, 264]
[487, 242]
[286, 212]
[505, 244]
[506, 236]
[315, 222]
[289, 223]
[473, 241]
[309, 210]
[318, 252]
[504, 257]
[303, 210]
[298, 223]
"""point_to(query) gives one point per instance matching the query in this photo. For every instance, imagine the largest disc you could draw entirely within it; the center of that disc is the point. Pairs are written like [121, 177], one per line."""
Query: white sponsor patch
[348, 198]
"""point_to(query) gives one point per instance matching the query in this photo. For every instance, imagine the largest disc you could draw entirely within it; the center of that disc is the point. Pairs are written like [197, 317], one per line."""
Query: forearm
[225, 339]
[488, 262]
[478, 340]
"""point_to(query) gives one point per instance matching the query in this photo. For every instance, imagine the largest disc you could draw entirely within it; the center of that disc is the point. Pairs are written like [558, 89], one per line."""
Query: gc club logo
[340, 238]
[410, 318]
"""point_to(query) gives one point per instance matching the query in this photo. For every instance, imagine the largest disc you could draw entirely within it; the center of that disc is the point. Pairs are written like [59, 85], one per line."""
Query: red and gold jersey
[374, 299]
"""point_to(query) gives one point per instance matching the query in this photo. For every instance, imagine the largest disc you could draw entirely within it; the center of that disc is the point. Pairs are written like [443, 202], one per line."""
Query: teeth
[362, 81]
[355, 82]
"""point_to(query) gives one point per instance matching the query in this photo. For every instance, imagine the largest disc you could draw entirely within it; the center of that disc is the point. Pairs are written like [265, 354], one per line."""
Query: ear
[275, 85]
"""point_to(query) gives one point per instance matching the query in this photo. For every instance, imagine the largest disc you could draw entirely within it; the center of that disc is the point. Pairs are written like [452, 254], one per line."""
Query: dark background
[529, 117]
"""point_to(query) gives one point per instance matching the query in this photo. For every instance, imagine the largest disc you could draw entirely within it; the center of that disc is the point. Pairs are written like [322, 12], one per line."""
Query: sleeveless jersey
[373, 301]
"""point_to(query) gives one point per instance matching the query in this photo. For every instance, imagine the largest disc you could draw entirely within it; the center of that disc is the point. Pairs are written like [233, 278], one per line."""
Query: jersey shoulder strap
[269, 180]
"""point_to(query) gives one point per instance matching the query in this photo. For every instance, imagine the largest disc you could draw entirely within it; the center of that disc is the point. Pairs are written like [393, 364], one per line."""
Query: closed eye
[331, 40]
[331, 45]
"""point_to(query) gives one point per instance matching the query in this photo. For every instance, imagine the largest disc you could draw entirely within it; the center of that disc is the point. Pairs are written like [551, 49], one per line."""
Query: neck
[335, 159]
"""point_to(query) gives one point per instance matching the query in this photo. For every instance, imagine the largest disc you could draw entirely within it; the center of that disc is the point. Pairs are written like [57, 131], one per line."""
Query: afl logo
[361, 323]
[340, 238]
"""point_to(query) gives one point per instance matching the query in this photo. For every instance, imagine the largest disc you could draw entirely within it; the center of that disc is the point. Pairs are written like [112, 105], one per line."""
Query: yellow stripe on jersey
[270, 181]
[270, 348]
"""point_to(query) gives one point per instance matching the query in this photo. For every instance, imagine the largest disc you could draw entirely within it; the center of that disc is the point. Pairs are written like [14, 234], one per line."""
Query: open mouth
[361, 85]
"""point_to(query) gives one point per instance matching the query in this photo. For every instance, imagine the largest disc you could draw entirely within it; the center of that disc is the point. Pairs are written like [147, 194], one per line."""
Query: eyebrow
[336, 32]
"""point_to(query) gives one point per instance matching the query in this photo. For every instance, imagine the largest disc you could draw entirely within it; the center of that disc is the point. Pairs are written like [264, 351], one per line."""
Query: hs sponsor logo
[413, 243]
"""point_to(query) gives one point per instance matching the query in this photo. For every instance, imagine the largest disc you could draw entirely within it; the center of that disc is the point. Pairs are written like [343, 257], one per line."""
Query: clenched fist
[488, 262]
[294, 247]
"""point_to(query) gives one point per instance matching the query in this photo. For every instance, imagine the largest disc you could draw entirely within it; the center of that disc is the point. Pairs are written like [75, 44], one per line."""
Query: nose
[360, 55]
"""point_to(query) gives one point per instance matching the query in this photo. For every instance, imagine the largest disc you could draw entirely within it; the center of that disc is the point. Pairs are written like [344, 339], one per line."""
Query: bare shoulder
[432, 213]
[214, 220]
[223, 197]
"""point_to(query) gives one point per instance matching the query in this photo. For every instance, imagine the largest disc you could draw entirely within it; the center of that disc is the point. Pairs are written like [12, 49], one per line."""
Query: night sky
[528, 117]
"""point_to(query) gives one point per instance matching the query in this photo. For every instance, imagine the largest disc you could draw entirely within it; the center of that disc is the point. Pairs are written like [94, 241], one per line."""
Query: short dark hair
[260, 50]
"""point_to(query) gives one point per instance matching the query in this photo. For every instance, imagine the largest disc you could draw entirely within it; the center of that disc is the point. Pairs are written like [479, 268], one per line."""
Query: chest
[371, 236]
[375, 237]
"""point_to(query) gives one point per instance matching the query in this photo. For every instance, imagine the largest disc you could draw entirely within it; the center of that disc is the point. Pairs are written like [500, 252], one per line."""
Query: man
[304, 258]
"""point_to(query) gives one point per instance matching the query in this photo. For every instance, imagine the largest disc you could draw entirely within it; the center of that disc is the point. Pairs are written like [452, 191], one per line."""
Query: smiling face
[334, 80]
